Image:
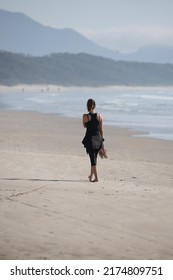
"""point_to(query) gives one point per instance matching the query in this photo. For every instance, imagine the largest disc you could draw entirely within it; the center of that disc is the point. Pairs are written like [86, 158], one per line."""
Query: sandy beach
[49, 209]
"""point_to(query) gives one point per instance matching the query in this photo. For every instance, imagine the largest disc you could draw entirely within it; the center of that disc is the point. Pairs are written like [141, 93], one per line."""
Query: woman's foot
[95, 180]
[90, 178]
[92, 181]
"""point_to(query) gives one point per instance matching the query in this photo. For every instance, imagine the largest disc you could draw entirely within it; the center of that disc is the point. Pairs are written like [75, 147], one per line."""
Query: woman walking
[93, 139]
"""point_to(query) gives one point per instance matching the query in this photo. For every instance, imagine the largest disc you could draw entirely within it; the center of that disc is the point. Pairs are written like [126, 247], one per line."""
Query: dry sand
[49, 210]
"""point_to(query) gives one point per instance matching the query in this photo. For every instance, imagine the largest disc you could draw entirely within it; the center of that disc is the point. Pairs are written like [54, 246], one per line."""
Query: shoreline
[136, 133]
[58, 88]
[46, 89]
[49, 209]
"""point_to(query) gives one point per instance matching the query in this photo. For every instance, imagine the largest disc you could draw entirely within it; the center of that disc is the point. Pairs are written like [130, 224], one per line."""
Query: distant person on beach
[93, 140]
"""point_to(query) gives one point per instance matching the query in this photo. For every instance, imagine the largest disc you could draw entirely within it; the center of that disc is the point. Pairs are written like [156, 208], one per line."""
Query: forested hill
[80, 70]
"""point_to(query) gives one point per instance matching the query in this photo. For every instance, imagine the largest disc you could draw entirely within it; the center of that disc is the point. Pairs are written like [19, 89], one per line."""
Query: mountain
[156, 54]
[81, 70]
[21, 34]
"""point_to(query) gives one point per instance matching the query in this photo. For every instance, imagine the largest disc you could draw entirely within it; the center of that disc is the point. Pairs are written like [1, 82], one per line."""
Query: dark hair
[90, 104]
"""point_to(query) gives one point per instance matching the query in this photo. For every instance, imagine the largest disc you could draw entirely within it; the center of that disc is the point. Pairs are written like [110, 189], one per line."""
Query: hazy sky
[123, 25]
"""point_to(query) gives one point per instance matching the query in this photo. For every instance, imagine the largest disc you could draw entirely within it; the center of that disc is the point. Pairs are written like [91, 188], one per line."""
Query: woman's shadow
[40, 180]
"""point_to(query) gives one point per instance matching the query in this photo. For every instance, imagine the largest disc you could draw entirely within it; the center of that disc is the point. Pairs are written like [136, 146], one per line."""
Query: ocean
[149, 110]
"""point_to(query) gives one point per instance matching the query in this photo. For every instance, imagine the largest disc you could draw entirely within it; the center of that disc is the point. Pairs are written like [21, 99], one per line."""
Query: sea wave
[146, 109]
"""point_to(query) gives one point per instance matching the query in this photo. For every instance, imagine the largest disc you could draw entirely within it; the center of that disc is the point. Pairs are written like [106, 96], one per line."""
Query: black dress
[92, 140]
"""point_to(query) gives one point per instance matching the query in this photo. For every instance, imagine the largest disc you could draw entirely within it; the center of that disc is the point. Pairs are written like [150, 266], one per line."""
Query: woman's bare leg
[93, 158]
[93, 173]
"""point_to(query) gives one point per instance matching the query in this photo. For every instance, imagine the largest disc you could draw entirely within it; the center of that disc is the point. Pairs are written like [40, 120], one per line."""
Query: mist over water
[149, 110]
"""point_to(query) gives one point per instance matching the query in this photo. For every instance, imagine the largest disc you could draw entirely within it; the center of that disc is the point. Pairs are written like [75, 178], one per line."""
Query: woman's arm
[101, 125]
[84, 120]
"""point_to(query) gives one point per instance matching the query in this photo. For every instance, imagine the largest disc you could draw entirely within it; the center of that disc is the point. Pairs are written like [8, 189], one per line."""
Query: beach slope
[49, 210]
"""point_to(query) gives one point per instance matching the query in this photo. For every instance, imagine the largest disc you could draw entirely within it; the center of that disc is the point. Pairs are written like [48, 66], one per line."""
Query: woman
[93, 139]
